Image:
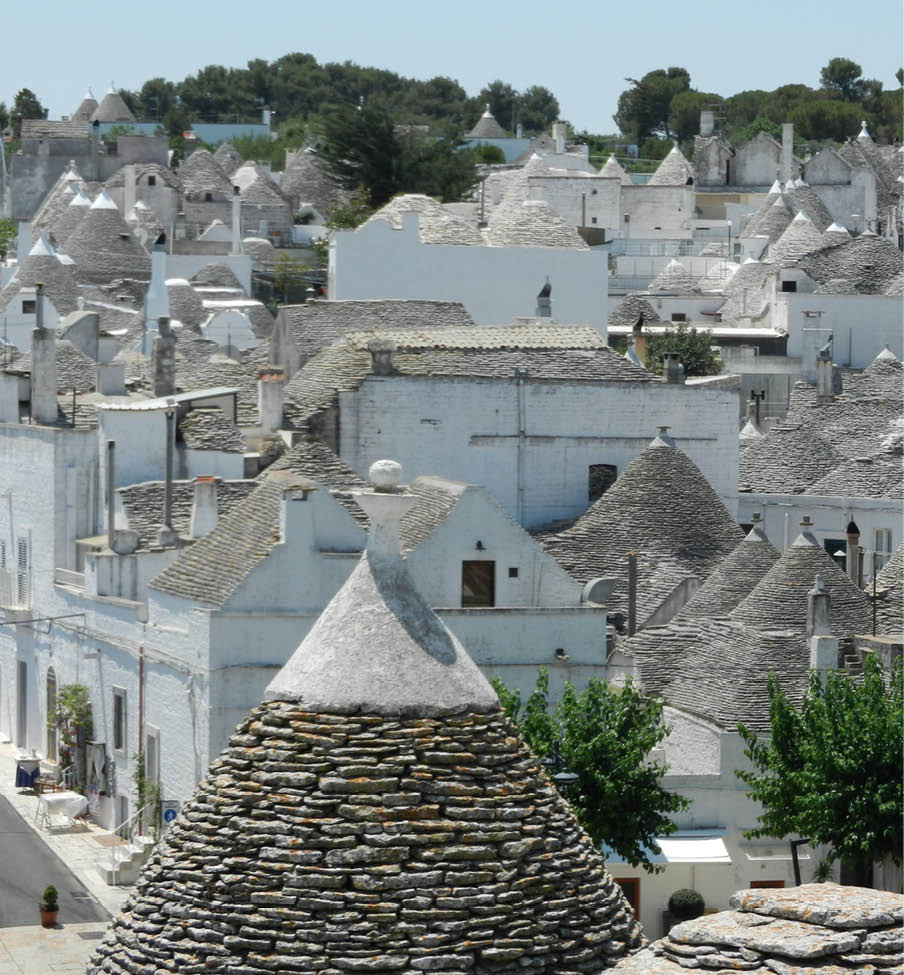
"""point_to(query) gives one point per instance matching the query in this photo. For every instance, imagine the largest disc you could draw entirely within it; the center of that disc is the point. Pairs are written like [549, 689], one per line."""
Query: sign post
[169, 810]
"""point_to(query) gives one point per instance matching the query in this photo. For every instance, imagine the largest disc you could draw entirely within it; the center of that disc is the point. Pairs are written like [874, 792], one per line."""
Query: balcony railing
[66, 577]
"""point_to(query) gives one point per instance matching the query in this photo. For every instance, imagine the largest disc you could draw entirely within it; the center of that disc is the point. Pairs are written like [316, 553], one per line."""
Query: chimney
[111, 379]
[43, 365]
[166, 535]
[818, 605]
[204, 512]
[544, 301]
[787, 151]
[519, 131]
[852, 561]
[270, 399]
[163, 360]
[707, 122]
[111, 481]
[640, 340]
[558, 133]
[296, 521]
[129, 192]
[672, 370]
[236, 221]
[824, 393]
[156, 303]
[381, 351]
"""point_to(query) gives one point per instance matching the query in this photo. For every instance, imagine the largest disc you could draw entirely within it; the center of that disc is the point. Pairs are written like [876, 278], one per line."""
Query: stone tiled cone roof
[316, 324]
[52, 207]
[835, 234]
[674, 170]
[163, 174]
[613, 168]
[104, 247]
[143, 505]
[806, 200]
[814, 928]
[312, 459]
[74, 370]
[745, 294]
[871, 262]
[349, 842]
[227, 158]
[85, 108]
[200, 174]
[112, 109]
[689, 536]
[801, 237]
[531, 223]
[629, 309]
[58, 279]
[674, 279]
[718, 669]
[69, 218]
[786, 461]
[262, 192]
[733, 578]
[890, 592]
[307, 180]
[185, 304]
[773, 222]
[718, 276]
[779, 600]
[206, 428]
[879, 476]
[336, 831]
[487, 128]
[436, 225]
[216, 275]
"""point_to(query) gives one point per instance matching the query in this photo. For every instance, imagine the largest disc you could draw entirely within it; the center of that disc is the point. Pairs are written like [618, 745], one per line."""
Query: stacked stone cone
[322, 842]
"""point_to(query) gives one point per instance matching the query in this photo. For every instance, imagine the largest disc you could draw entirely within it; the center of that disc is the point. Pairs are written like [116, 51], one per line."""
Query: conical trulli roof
[86, 108]
[801, 237]
[774, 222]
[687, 536]
[112, 109]
[613, 168]
[41, 265]
[377, 812]
[532, 223]
[733, 579]
[835, 234]
[674, 170]
[104, 247]
[200, 174]
[779, 600]
[674, 279]
[307, 180]
[805, 199]
[185, 304]
[66, 222]
[487, 128]
[227, 158]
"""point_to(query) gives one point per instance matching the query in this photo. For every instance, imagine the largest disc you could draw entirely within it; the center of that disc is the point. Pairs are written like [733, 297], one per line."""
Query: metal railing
[121, 836]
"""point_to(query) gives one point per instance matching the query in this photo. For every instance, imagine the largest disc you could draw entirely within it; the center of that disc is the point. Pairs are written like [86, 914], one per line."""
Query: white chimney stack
[156, 304]
[236, 221]
[707, 122]
[43, 365]
[204, 514]
[558, 133]
[787, 151]
[270, 399]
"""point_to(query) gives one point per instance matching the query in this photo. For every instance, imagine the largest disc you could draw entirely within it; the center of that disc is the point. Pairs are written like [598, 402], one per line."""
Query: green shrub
[685, 904]
[49, 899]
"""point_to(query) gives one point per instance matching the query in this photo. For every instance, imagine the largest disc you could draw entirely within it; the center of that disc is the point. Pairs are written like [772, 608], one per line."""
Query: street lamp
[562, 777]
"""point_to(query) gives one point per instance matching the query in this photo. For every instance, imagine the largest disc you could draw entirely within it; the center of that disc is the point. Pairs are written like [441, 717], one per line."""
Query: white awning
[693, 849]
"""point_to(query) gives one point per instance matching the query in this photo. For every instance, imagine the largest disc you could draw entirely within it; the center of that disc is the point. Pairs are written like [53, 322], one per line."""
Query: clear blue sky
[582, 50]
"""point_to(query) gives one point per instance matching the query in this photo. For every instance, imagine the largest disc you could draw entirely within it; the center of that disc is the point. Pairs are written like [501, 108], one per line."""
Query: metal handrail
[124, 832]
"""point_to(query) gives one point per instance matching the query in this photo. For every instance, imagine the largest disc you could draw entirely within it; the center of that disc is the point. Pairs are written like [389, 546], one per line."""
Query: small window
[23, 572]
[789, 286]
[208, 197]
[513, 572]
[766, 884]
[478, 583]
[593, 219]
[627, 218]
[679, 316]
[119, 720]
[152, 180]
[29, 307]
[631, 889]
[600, 478]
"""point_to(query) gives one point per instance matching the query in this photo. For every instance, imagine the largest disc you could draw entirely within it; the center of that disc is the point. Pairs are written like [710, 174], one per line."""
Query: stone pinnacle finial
[385, 508]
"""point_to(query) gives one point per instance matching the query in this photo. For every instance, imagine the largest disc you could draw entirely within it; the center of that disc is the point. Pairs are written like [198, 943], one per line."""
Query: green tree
[156, 99]
[830, 771]
[25, 106]
[742, 108]
[826, 118]
[502, 99]
[685, 109]
[643, 109]
[604, 735]
[288, 276]
[694, 348]
[841, 78]
[537, 108]
[8, 232]
[4, 116]
[899, 74]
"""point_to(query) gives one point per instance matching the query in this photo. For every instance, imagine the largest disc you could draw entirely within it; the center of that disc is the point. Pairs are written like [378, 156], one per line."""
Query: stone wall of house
[495, 284]
[656, 211]
[588, 201]
[472, 434]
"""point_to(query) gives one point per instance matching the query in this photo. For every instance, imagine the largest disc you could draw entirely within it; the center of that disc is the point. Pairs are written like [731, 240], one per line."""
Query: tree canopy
[830, 771]
[604, 735]
[643, 109]
[363, 148]
[694, 348]
[25, 106]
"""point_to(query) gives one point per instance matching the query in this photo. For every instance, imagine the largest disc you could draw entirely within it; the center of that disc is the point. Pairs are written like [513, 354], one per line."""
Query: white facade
[468, 429]
[495, 284]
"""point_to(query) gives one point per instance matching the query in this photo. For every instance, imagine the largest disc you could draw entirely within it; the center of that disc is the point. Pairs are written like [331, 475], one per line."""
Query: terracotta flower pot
[48, 918]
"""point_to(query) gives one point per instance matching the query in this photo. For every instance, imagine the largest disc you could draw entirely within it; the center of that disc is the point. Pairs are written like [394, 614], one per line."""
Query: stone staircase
[853, 663]
[123, 865]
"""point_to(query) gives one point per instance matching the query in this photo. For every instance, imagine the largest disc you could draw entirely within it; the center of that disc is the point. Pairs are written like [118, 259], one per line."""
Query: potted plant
[49, 906]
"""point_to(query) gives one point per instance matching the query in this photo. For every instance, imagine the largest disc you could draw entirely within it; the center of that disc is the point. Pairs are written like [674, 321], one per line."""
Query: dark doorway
[478, 583]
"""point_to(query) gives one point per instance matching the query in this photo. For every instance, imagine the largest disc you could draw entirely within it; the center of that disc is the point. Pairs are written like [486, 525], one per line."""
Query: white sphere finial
[385, 475]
